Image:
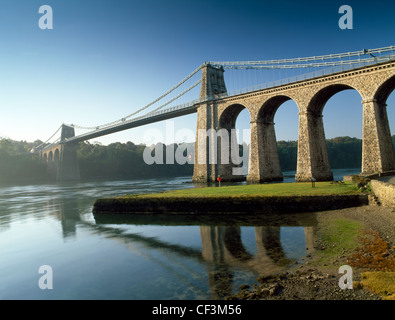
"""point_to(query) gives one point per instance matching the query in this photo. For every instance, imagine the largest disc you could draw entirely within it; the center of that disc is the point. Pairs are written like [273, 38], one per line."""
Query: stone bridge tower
[206, 166]
[61, 159]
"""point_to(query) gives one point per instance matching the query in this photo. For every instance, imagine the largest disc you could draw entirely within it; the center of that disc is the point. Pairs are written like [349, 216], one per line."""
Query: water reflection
[136, 257]
[222, 252]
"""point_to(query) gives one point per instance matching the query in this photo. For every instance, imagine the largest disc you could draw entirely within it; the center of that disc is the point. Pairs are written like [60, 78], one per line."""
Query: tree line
[343, 153]
[18, 164]
[125, 160]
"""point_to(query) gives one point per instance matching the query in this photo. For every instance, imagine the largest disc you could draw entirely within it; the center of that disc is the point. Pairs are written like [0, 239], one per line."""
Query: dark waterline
[52, 224]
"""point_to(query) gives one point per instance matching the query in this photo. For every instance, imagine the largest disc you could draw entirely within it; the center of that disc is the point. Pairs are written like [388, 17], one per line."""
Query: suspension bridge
[265, 85]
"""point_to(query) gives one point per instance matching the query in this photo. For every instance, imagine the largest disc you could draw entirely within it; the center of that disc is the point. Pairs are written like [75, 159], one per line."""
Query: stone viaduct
[373, 83]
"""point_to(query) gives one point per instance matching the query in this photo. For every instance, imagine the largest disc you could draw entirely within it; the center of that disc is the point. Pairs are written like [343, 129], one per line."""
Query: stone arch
[384, 90]
[268, 110]
[265, 161]
[313, 159]
[45, 157]
[50, 157]
[319, 100]
[56, 157]
[319, 123]
[231, 169]
[50, 163]
[228, 116]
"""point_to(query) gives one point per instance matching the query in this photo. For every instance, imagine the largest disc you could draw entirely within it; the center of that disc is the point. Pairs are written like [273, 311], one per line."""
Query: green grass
[270, 189]
[338, 238]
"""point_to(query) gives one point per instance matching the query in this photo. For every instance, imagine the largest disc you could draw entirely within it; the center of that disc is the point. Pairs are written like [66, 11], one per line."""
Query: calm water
[91, 258]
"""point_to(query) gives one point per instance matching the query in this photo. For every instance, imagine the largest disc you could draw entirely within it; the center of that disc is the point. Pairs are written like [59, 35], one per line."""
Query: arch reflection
[223, 252]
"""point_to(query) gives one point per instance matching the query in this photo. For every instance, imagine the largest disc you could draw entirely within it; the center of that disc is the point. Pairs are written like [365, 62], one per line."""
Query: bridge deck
[133, 124]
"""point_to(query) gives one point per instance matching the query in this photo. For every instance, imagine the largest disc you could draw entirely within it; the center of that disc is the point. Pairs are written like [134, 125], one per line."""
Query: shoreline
[313, 279]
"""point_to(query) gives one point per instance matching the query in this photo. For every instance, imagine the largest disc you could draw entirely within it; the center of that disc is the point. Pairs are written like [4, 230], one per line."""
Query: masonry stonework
[385, 192]
[62, 162]
[206, 167]
[373, 83]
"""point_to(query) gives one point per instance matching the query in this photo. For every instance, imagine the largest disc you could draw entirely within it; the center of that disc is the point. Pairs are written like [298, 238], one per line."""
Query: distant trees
[288, 153]
[18, 164]
[125, 160]
[343, 152]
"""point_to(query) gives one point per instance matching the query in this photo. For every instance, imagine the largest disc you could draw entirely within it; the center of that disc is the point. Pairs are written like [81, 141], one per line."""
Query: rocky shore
[314, 280]
[308, 284]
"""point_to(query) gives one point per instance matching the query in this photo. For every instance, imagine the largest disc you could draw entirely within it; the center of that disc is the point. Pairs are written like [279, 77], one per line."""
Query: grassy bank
[259, 198]
[259, 190]
[337, 239]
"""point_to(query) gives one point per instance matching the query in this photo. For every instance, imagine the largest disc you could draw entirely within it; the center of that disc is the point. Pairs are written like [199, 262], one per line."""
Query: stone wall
[385, 192]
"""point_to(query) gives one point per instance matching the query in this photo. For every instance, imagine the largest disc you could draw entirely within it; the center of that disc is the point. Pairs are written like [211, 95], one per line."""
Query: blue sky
[105, 59]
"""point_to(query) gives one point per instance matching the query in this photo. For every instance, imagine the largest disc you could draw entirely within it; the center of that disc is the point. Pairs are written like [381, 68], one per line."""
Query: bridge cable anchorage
[279, 63]
[148, 105]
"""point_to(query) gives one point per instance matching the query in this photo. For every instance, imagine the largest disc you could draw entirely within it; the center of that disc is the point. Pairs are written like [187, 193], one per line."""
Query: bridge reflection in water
[222, 253]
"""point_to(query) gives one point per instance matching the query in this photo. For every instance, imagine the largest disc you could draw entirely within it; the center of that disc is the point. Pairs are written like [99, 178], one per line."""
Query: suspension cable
[165, 94]
[175, 98]
[309, 65]
[145, 107]
[228, 64]
[295, 63]
[50, 137]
